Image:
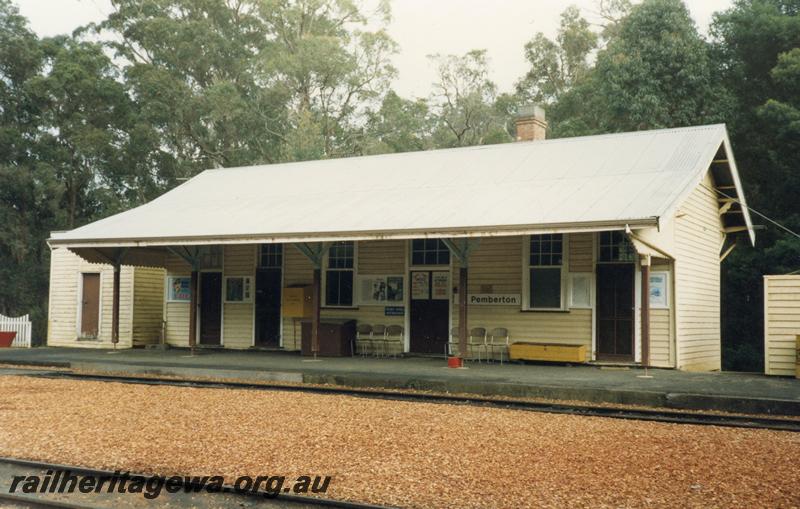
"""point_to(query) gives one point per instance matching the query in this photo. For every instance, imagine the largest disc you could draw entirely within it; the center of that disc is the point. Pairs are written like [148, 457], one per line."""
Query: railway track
[13, 500]
[655, 415]
[235, 497]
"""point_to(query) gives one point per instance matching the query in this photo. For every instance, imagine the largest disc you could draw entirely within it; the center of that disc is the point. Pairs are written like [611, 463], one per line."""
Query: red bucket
[454, 362]
[6, 338]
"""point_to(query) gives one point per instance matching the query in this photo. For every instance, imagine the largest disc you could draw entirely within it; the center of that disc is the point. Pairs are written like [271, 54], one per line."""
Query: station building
[611, 242]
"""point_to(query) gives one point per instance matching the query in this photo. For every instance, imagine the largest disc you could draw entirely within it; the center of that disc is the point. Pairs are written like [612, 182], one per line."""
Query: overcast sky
[420, 27]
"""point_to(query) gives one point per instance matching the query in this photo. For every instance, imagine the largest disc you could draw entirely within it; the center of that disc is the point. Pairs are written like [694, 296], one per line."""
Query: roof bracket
[189, 254]
[315, 251]
[462, 248]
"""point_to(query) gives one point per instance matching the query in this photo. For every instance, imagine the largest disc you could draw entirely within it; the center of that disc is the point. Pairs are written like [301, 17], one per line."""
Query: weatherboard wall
[781, 324]
[698, 239]
[140, 311]
[496, 267]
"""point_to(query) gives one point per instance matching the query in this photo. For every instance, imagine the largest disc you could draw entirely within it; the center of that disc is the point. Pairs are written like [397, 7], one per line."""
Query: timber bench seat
[553, 352]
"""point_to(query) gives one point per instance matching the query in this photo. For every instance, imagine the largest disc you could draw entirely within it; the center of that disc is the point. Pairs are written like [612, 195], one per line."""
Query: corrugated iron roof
[592, 182]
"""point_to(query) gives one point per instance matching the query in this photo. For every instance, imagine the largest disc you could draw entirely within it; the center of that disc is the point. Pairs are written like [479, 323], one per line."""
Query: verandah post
[461, 249]
[193, 310]
[645, 261]
[463, 282]
[316, 291]
[115, 307]
[119, 254]
[315, 254]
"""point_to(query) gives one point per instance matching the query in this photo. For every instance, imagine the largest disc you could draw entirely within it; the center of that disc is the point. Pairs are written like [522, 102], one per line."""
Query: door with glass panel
[268, 295]
[615, 297]
[430, 296]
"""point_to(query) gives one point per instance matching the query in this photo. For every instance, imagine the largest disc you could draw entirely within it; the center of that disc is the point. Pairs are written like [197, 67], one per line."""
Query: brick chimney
[530, 123]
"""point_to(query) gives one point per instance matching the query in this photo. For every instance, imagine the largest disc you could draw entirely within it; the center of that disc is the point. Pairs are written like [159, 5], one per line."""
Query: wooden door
[268, 307]
[430, 311]
[615, 312]
[90, 305]
[210, 308]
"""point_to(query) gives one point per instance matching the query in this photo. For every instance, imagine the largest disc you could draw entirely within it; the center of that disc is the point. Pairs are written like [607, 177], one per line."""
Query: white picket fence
[21, 325]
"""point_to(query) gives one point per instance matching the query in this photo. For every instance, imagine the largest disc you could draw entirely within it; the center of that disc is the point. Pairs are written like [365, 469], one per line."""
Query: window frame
[211, 257]
[600, 245]
[324, 278]
[434, 265]
[280, 255]
[247, 290]
[526, 275]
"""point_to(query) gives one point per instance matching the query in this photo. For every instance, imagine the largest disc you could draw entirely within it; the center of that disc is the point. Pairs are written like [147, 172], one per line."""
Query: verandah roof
[573, 184]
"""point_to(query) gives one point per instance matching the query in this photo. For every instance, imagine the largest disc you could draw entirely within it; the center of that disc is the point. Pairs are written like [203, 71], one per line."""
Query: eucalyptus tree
[464, 101]
[331, 59]
[192, 68]
[656, 71]
[64, 119]
[28, 193]
[756, 43]
[399, 125]
[557, 65]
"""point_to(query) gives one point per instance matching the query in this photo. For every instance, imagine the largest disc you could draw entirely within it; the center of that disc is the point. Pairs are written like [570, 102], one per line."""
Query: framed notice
[659, 284]
[440, 285]
[238, 289]
[580, 290]
[179, 289]
[420, 285]
[380, 290]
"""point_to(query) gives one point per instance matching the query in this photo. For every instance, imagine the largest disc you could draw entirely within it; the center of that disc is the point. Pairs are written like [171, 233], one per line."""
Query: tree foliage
[654, 72]
[463, 101]
[757, 43]
[556, 66]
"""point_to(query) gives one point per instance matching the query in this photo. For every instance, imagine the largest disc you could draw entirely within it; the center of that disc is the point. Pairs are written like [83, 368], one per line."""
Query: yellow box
[297, 302]
[553, 352]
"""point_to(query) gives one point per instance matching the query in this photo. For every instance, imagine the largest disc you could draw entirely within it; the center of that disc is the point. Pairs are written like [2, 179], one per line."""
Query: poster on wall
[580, 290]
[394, 288]
[658, 290]
[378, 290]
[420, 285]
[441, 286]
[180, 289]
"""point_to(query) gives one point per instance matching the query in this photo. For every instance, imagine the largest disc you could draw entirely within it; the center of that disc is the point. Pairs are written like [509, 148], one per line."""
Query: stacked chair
[498, 341]
[364, 342]
[479, 342]
[379, 340]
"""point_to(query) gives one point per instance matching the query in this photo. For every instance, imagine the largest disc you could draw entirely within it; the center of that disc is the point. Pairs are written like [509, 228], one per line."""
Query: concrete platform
[732, 392]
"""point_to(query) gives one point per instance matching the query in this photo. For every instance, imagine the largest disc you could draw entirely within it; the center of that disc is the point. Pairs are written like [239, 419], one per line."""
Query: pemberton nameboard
[494, 299]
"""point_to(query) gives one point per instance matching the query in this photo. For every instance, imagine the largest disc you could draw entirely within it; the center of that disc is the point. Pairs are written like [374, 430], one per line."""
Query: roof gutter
[462, 232]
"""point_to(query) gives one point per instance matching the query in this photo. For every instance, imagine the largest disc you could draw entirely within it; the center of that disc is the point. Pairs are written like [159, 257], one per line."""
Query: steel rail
[32, 502]
[656, 415]
[279, 498]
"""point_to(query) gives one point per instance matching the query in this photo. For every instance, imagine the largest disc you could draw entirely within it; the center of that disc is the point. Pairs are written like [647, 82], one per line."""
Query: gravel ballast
[398, 453]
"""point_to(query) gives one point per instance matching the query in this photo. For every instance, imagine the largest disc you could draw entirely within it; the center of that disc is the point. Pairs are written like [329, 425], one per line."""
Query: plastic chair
[394, 339]
[477, 340]
[364, 338]
[499, 339]
[379, 340]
